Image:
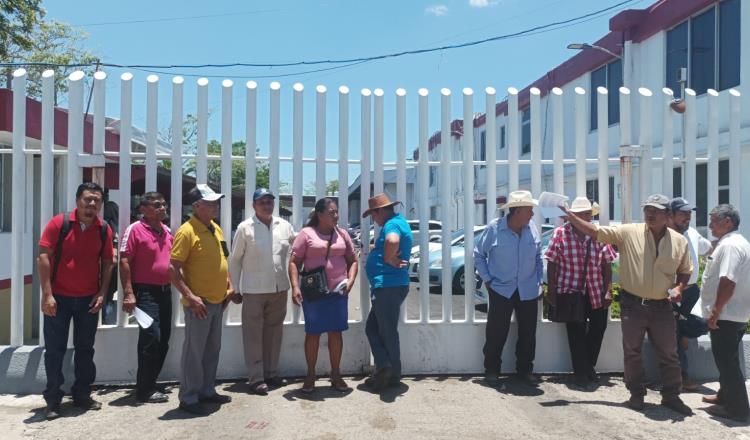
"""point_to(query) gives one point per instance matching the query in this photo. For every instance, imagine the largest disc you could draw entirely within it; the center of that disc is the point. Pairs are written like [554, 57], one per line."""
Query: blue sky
[285, 31]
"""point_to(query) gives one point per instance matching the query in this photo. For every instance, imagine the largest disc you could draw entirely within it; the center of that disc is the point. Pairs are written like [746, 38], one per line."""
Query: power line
[348, 61]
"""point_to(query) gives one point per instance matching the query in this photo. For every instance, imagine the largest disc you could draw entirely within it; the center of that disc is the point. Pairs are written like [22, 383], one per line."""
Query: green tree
[238, 166]
[17, 21]
[332, 187]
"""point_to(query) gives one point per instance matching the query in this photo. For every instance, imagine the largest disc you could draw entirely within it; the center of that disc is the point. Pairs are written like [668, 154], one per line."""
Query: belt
[163, 288]
[642, 301]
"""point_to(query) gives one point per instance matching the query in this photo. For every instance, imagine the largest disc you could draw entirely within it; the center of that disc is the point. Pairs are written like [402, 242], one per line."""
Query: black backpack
[64, 231]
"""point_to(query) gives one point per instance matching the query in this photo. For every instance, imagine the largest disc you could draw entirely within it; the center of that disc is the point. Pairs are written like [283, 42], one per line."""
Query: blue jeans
[56, 329]
[382, 327]
[153, 342]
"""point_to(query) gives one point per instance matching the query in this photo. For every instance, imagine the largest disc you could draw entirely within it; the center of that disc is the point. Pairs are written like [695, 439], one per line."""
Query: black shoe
[635, 403]
[275, 382]
[88, 404]
[492, 379]
[370, 381]
[581, 380]
[52, 412]
[194, 408]
[720, 411]
[162, 389]
[592, 376]
[676, 404]
[381, 378]
[530, 379]
[155, 397]
[216, 398]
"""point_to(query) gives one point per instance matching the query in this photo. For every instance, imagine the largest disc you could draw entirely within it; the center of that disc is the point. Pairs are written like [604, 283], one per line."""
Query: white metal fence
[443, 342]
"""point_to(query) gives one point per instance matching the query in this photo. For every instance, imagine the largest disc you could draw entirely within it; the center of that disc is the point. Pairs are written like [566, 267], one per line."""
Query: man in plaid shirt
[568, 253]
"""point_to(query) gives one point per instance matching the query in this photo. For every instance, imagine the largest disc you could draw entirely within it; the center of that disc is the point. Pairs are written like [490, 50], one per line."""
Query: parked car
[434, 228]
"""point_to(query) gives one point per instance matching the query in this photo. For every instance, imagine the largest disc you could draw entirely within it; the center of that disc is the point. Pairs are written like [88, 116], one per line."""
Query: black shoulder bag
[571, 307]
[314, 282]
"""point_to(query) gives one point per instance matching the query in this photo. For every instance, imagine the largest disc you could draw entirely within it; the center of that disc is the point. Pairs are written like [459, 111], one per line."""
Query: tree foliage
[17, 20]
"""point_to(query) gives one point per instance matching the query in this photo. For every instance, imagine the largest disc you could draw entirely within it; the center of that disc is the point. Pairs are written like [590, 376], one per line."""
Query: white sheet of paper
[549, 204]
[142, 317]
[340, 286]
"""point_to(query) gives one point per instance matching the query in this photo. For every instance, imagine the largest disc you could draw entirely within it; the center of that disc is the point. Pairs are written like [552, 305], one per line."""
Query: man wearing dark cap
[689, 323]
[257, 266]
[652, 257]
[198, 269]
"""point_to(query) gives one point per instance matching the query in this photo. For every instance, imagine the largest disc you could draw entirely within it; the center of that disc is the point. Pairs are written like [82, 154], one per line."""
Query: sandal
[338, 384]
[309, 385]
[260, 388]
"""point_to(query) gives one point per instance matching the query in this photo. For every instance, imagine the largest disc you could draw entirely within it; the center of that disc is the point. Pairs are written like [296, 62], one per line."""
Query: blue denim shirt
[509, 261]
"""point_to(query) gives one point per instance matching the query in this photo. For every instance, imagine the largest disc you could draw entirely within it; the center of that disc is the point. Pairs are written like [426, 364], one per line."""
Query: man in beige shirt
[652, 257]
[257, 266]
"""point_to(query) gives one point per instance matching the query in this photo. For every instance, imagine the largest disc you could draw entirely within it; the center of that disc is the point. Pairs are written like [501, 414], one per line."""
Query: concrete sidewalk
[421, 408]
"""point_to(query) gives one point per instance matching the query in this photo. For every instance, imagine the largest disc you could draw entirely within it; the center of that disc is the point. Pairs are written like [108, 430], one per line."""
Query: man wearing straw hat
[387, 270]
[578, 263]
[508, 258]
[652, 257]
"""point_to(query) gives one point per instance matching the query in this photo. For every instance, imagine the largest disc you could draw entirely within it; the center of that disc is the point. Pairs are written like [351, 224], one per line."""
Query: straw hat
[517, 199]
[582, 204]
[378, 201]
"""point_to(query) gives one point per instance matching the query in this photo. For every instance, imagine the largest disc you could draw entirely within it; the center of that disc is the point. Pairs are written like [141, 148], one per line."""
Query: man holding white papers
[144, 271]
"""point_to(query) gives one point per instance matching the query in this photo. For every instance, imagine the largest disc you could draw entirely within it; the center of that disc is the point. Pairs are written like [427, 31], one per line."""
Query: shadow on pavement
[657, 413]
[66, 410]
[387, 395]
[569, 382]
[178, 414]
[511, 386]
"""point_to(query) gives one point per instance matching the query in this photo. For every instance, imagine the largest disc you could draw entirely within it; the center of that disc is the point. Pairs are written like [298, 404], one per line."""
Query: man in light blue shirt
[508, 258]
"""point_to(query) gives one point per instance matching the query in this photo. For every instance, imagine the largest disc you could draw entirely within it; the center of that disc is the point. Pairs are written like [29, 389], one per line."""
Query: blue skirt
[330, 314]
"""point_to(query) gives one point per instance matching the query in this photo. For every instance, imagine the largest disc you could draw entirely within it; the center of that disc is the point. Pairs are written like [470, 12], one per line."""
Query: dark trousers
[56, 329]
[498, 325]
[153, 342]
[382, 327]
[656, 319]
[585, 339]
[725, 342]
[689, 298]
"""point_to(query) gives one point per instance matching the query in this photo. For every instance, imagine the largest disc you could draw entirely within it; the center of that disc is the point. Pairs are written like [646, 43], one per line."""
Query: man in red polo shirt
[144, 270]
[74, 277]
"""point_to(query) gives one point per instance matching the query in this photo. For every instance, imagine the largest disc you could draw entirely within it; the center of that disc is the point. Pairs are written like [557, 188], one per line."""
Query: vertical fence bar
[75, 134]
[626, 179]
[152, 128]
[274, 141]
[297, 171]
[364, 194]
[320, 141]
[344, 156]
[201, 161]
[99, 113]
[378, 144]
[468, 144]
[126, 123]
[712, 171]
[558, 146]
[490, 142]
[667, 143]
[175, 217]
[47, 189]
[735, 156]
[446, 195]
[251, 143]
[645, 142]
[226, 160]
[18, 184]
[580, 140]
[536, 150]
[401, 165]
[423, 191]
[514, 138]
[690, 134]
[602, 137]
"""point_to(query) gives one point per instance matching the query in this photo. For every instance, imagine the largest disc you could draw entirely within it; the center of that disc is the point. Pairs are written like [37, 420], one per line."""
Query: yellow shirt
[204, 264]
[646, 271]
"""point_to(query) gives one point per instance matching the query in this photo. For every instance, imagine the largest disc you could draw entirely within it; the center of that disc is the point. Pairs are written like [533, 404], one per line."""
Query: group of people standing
[659, 263]
[266, 260]
[658, 275]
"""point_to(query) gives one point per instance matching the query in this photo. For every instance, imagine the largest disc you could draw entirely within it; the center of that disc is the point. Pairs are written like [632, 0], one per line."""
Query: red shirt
[569, 253]
[80, 261]
[148, 252]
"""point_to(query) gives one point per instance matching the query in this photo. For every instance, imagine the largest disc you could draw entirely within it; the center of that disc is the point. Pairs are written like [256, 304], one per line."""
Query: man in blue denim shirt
[387, 270]
[508, 258]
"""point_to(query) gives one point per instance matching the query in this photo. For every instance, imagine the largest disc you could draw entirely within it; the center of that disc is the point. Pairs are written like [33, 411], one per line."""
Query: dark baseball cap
[680, 204]
[261, 193]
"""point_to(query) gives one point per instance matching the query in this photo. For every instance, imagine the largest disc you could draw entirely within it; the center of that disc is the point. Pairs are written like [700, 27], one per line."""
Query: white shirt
[697, 245]
[730, 259]
[260, 255]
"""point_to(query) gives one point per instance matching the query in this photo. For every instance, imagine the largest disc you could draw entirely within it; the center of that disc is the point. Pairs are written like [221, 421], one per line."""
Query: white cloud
[481, 3]
[437, 10]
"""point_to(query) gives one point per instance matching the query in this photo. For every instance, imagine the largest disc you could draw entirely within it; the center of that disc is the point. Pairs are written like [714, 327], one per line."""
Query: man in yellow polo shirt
[652, 257]
[199, 270]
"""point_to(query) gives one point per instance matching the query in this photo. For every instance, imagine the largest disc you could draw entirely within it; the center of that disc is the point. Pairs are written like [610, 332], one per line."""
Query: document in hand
[549, 204]
[142, 317]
